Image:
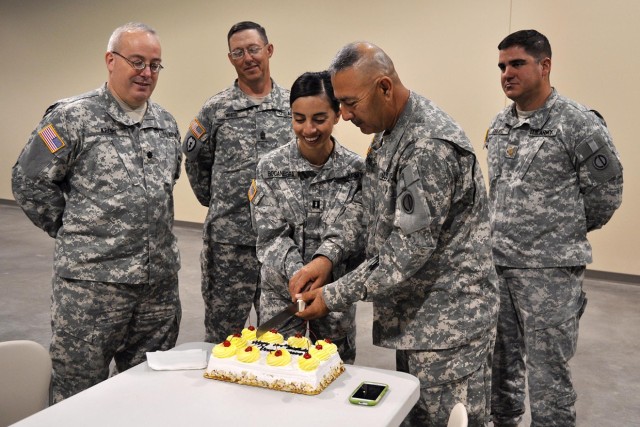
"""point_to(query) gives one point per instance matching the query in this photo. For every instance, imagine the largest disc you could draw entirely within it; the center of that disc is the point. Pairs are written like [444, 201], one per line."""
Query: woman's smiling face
[313, 121]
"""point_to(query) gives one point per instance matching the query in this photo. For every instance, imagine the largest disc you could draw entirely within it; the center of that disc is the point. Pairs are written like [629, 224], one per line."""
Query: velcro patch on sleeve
[51, 138]
[412, 212]
[603, 165]
[196, 128]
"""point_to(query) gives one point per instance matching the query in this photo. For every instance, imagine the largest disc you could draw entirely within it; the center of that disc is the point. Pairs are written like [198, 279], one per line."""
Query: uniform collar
[116, 112]
[275, 98]
[335, 167]
[389, 143]
[539, 117]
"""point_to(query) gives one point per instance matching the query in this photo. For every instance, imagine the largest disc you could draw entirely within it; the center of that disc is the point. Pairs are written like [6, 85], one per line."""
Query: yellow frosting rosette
[326, 343]
[299, 341]
[320, 352]
[272, 337]
[249, 333]
[237, 340]
[307, 362]
[280, 357]
[248, 354]
[223, 350]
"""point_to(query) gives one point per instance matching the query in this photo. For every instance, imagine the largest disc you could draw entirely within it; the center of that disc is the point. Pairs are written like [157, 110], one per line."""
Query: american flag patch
[51, 138]
[196, 128]
[253, 190]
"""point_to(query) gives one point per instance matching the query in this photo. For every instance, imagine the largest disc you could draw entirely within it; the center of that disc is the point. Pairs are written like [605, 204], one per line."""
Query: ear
[270, 50]
[109, 59]
[386, 85]
[546, 67]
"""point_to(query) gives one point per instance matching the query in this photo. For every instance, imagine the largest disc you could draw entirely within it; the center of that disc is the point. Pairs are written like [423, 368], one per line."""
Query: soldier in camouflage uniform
[307, 210]
[554, 176]
[232, 131]
[428, 269]
[97, 175]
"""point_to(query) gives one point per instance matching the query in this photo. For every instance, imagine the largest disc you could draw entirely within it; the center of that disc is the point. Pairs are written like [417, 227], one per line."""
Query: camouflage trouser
[437, 400]
[230, 277]
[95, 322]
[538, 322]
[340, 327]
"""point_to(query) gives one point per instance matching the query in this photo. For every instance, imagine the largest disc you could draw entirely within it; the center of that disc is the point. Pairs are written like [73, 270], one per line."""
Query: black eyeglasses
[140, 65]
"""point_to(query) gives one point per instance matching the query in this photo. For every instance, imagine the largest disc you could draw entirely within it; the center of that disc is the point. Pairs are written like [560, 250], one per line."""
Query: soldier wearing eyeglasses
[97, 175]
[223, 145]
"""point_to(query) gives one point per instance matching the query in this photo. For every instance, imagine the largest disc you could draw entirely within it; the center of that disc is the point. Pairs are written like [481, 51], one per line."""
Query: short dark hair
[248, 25]
[368, 57]
[314, 84]
[345, 58]
[533, 42]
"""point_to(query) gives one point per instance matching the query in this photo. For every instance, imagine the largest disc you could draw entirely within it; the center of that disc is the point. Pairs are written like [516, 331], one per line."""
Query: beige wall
[445, 50]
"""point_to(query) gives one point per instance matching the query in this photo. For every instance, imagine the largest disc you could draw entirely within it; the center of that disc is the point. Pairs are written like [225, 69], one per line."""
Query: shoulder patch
[51, 138]
[603, 166]
[196, 128]
[253, 190]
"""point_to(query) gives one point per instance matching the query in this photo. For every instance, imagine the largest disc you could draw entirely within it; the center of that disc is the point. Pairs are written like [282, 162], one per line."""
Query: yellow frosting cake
[272, 337]
[299, 341]
[237, 340]
[276, 365]
[249, 333]
[320, 352]
[224, 349]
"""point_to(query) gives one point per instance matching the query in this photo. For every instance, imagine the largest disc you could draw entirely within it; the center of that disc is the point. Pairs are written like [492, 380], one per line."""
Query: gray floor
[606, 369]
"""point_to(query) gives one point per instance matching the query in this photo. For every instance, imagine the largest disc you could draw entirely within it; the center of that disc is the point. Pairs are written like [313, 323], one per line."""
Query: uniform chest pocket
[103, 168]
[161, 157]
[337, 201]
[382, 207]
[546, 165]
[235, 142]
[501, 155]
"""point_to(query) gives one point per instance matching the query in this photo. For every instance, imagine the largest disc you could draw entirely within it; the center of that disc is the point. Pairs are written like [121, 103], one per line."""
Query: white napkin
[176, 360]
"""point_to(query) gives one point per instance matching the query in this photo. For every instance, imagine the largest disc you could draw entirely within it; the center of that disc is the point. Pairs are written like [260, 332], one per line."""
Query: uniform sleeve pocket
[412, 212]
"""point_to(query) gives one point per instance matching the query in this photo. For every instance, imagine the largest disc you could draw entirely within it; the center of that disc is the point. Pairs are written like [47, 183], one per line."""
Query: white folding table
[141, 396]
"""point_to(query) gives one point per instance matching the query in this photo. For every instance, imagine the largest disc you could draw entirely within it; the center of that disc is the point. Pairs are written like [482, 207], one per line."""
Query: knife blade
[280, 318]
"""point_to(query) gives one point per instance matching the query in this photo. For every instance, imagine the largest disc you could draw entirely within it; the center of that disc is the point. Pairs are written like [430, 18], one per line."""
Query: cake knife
[280, 318]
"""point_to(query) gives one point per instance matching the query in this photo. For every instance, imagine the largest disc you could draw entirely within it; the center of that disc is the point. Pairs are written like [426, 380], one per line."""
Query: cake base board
[248, 379]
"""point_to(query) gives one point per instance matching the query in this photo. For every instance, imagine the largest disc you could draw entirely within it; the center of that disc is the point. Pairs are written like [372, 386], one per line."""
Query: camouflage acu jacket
[223, 145]
[103, 187]
[429, 271]
[553, 178]
[295, 223]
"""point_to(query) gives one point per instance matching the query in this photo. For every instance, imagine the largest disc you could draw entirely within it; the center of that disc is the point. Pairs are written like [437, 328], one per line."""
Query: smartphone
[368, 393]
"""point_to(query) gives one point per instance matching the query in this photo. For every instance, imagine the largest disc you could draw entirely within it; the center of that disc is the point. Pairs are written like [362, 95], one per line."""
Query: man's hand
[312, 276]
[316, 307]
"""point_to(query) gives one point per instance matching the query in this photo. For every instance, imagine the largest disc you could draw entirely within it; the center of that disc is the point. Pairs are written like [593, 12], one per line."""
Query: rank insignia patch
[511, 151]
[51, 138]
[196, 128]
[316, 205]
